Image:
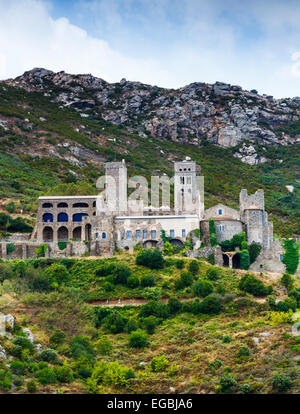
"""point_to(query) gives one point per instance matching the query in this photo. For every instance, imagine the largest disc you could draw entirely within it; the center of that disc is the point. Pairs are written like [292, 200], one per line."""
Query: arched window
[220, 212]
[47, 205]
[48, 234]
[62, 218]
[77, 233]
[78, 217]
[103, 235]
[94, 204]
[80, 205]
[62, 205]
[48, 218]
[62, 234]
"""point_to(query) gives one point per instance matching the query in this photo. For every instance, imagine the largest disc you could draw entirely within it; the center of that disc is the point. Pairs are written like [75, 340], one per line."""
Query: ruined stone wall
[225, 229]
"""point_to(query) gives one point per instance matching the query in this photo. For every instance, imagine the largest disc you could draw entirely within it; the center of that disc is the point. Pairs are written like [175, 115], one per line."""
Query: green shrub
[287, 304]
[17, 367]
[57, 338]
[202, 288]
[57, 274]
[186, 279]
[133, 282]
[109, 373]
[80, 346]
[291, 255]
[281, 382]
[46, 376]
[5, 379]
[18, 381]
[194, 267]
[10, 207]
[104, 346]
[138, 339]
[168, 249]
[227, 382]
[150, 324]
[174, 305]
[49, 355]
[245, 389]
[254, 250]
[251, 284]
[64, 374]
[158, 309]
[287, 281]
[132, 325]
[31, 386]
[151, 258]
[41, 250]
[243, 351]
[212, 273]
[24, 343]
[159, 363]
[211, 304]
[244, 259]
[152, 293]
[180, 264]
[115, 322]
[147, 281]
[226, 339]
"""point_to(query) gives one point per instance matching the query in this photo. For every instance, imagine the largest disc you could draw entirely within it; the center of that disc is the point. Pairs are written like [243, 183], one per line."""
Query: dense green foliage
[256, 287]
[291, 255]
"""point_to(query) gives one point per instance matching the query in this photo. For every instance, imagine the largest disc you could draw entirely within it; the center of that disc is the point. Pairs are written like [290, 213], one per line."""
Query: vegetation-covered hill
[197, 328]
[47, 148]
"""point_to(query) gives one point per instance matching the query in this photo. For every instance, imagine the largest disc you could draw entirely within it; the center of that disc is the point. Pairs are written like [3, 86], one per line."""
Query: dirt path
[128, 302]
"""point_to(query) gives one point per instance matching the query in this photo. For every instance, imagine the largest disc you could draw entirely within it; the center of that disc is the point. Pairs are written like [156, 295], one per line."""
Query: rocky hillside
[58, 130]
[222, 114]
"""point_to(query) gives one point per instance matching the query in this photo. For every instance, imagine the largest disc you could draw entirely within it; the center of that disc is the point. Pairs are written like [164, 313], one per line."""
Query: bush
[154, 293]
[287, 304]
[159, 363]
[281, 383]
[24, 343]
[46, 376]
[64, 374]
[194, 267]
[212, 273]
[151, 258]
[57, 338]
[147, 281]
[287, 281]
[133, 282]
[254, 250]
[244, 259]
[49, 355]
[57, 274]
[251, 284]
[211, 304]
[158, 309]
[115, 322]
[180, 264]
[226, 339]
[150, 324]
[132, 325]
[243, 351]
[174, 305]
[104, 346]
[31, 386]
[17, 367]
[5, 380]
[138, 339]
[227, 382]
[186, 279]
[109, 373]
[168, 249]
[291, 255]
[202, 288]
[80, 346]
[18, 381]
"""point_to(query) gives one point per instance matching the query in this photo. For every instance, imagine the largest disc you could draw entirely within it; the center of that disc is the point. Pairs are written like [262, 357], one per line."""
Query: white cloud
[169, 43]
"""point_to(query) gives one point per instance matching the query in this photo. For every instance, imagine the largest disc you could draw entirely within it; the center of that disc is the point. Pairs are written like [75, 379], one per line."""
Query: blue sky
[169, 43]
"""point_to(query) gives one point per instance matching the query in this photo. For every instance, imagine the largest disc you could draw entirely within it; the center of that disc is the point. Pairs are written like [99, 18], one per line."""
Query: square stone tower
[187, 198]
[116, 186]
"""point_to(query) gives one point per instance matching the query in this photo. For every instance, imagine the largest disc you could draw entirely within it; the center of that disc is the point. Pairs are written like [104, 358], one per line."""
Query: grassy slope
[25, 177]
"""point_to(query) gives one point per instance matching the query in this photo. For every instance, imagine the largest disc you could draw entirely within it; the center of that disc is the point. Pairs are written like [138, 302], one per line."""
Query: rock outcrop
[222, 114]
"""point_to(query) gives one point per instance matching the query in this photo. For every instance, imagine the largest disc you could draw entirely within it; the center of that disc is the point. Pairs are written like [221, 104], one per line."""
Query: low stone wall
[205, 252]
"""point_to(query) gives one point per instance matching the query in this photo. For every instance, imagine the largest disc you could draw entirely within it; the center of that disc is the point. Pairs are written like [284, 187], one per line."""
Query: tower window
[103, 235]
[220, 212]
[172, 233]
[181, 180]
[189, 180]
[281, 257]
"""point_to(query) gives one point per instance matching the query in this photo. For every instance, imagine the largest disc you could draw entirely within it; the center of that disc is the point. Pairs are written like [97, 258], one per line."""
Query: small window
[97, 235]
[172, 233]
[47, 205]
[103, 235]
[62, 205]
[153, 234]
[128, 234]
[138, 234]
[281, 257]
[144, 234]
[189, 180]
[183, 233]
[181, 180]
[222, 228]
[220, 212]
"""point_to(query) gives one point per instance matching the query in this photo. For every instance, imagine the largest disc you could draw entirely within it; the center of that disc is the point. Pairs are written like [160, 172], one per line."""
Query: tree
[212, 232]
[115, 322]
[287, 281]
[168, 249]
[57, 274]
[138, 339]
[194, 267]
[174, 305]
[291, 255]
[254, 251]
[202, 288]
[151, 258]
[147, 281]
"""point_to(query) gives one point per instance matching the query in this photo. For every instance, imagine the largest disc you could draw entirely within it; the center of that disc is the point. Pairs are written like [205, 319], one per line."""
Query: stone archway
[148, 244]
[77, 233]
[48, 234]
[176, 243]
[62, 234]
[225, 260]
[236, 261]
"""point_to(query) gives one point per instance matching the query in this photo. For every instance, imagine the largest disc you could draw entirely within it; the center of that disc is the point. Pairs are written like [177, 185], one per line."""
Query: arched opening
[148, 244]
[104, 235]
[62, 218]
[225, 260]
[236, 261]
[48, 234]
[47, 205]
[88, 232]
[62, 205]
[80, 205]
[176, 242]
[126, 248]
[62, 234]
[78, 217]
[77, 233]
[48, 218]
[94, 203]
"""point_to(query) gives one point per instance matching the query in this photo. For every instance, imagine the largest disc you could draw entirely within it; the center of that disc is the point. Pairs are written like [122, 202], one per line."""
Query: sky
[169, 43]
